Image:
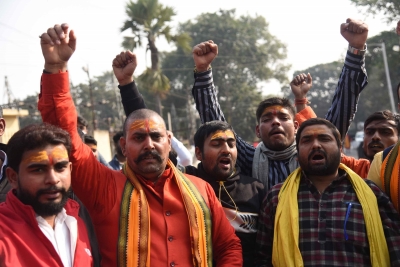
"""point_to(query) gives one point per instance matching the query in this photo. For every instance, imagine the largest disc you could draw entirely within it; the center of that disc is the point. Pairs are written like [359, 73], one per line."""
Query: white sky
[310, 28]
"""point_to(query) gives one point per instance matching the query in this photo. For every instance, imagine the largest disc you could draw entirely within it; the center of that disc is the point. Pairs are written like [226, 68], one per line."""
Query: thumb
[343, 27]
[72, 40]
[214, 48]
[309, 78]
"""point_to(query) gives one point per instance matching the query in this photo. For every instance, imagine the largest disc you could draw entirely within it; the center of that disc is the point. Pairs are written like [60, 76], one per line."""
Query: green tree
[390, 8]
[325, 78]
[375, 95]
[148, 20]
[105, 102]
[248, 55]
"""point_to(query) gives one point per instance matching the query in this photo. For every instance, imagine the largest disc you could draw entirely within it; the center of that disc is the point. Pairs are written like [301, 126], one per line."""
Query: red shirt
[101, 188]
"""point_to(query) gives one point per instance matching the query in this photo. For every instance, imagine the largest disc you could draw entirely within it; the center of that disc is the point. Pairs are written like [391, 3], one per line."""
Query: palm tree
[148, 19]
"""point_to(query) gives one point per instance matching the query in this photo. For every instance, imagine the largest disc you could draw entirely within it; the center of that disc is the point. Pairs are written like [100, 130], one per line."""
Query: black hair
[90, 140]
[208, 128]
[275, 101]
[318, 121]
[32, 137]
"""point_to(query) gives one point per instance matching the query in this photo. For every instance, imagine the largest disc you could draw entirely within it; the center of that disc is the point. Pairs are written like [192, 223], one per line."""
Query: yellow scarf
[134, 228]
[286, 250]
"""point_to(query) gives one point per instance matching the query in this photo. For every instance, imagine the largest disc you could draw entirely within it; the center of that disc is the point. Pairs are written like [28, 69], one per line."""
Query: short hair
[82, 121]
[118, 136]
[138, 114]
[275, 101]
[208, 128]
[318, 121]
[90, 140]
[383, 115]
[1, 112]
[32, 137]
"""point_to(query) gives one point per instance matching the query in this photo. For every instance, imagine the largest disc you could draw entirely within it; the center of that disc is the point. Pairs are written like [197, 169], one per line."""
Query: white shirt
[3, 157]
[63, 236]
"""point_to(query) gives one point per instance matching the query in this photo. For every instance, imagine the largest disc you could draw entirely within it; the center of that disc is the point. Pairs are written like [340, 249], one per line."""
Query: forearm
[209, 109]
[57, 108]
[131, 98]
[206, 98]
[352, 81]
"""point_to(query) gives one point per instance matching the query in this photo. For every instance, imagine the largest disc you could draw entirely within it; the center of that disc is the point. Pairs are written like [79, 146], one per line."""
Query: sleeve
[391, 224]
[208, 107]
[265, 232]
[131, 98]
[92, 182]
[359, 166]
[304, 115]
[352, 81]
[184, 155]
[374, 173]
[227, 249]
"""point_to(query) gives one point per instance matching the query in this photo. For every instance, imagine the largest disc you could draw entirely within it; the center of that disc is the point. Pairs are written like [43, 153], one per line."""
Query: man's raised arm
[207, 103]
[57, 108]
[124, 66]
[353, 78]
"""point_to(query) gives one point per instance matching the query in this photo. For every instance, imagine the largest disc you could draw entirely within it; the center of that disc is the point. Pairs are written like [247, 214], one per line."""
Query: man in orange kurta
[146, 146]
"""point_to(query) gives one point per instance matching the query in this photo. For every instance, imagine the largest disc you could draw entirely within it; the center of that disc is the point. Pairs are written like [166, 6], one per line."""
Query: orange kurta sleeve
[304, 115]
[359, 166]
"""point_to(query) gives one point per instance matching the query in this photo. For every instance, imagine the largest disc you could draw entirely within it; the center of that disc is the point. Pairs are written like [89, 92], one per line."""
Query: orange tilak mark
[274, 110]
[146, 124]
[59, 153]
[40, 156]
[223, 134]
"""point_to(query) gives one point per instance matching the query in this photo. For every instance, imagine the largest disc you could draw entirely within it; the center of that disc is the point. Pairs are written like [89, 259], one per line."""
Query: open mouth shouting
[225, 163]
[317, 157]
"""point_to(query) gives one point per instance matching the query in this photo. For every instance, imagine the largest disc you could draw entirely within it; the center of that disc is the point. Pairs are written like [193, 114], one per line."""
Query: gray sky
[310, 28]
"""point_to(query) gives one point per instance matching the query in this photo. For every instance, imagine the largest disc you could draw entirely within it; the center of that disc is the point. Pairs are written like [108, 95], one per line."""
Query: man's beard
[44, 209]
[330, 167]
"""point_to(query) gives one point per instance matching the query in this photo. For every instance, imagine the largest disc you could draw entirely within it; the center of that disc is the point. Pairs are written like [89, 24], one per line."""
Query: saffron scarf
[134, 227]
[390, 176]
[286, 252]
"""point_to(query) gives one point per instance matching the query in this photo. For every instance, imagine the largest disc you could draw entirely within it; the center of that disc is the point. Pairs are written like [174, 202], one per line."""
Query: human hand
[300, 85]
[57, 47]
[355, 32]
[203, 54]
[124, 66]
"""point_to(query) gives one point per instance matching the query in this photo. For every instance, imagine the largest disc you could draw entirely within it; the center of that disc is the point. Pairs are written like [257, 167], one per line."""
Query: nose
[226, 149]
[276, 121]
[376, 136]
[316, 144]
[148, 143]
[52, 177]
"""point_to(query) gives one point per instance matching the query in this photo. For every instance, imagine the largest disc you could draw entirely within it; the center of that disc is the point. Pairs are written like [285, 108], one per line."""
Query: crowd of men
[294, 200]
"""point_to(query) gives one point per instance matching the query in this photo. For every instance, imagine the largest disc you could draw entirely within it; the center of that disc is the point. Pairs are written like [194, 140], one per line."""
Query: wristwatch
[356, 51]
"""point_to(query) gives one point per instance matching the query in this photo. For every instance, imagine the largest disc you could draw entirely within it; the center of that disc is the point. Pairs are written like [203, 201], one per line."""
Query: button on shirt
[322, 235]
[63, 236]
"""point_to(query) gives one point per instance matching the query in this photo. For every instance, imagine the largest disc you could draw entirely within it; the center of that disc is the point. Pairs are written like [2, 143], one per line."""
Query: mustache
[375, 143]
[153, 153]
[312, 154]
[51, 189]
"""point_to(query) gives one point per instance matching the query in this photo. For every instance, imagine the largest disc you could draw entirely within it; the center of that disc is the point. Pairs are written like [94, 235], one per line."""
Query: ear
[296, 126]
[2, 126]
[170, 135]
[258, 131]
[122, 143]
[198, 154]
[12, 177]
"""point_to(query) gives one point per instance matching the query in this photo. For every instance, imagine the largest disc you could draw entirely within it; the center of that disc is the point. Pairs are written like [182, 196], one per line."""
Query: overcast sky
[310, 28]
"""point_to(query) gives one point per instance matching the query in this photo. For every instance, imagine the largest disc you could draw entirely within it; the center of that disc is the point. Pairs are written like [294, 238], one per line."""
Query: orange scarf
[134, 228]
[390, 175]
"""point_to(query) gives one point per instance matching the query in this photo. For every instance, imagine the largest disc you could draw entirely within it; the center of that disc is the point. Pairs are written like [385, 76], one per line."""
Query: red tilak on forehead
[147, 125]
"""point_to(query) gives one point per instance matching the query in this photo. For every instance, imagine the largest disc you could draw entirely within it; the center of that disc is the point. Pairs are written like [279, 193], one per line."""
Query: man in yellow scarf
[324, 214]
[148, 214]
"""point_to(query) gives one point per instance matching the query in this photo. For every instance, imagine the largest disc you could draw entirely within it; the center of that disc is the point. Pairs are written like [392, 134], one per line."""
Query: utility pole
[86, 69]
[7, 92]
